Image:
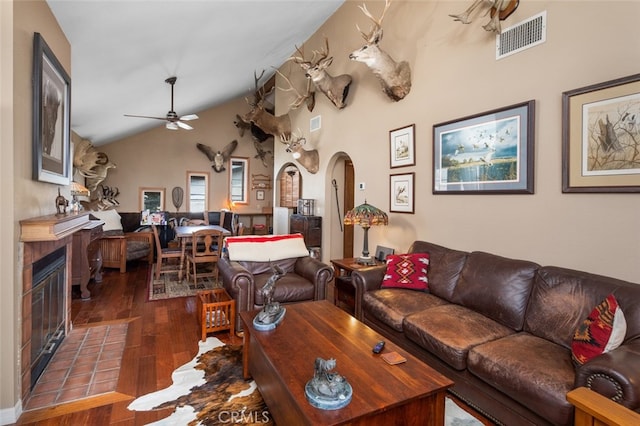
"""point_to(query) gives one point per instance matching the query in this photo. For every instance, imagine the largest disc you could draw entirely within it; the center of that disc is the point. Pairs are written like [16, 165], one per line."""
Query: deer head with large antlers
[394, 77]
[334, 88]
[267, 122]
[310, 160]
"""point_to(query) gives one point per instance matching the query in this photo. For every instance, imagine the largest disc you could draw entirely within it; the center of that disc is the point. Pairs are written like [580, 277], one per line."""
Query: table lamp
[77, 190]
[366, 216]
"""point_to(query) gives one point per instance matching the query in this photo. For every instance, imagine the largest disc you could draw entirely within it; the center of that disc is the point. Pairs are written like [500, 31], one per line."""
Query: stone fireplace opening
[47, 309]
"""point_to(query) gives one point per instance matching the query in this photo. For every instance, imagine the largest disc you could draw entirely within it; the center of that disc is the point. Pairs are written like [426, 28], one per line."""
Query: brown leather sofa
[502, 330]
[306, 279]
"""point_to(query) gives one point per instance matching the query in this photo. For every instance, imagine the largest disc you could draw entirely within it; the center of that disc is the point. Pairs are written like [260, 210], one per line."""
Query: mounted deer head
[310, 160]
[267, 122]
[498, 9]
[334, 88]
[394, 77]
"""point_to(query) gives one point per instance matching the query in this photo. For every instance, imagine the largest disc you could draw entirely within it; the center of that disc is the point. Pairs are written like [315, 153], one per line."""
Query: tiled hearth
[86, 364]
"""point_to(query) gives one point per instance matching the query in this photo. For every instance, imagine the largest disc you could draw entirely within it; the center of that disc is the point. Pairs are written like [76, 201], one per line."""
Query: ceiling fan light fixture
[172, 118]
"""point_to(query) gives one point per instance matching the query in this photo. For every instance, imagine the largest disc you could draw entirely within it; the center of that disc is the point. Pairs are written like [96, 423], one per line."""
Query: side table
[344, 292]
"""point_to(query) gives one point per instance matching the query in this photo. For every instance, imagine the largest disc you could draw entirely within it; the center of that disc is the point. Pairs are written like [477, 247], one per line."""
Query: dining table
[184, 235]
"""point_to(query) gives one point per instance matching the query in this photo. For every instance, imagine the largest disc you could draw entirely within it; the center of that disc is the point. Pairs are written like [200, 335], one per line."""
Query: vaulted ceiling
[123, 51]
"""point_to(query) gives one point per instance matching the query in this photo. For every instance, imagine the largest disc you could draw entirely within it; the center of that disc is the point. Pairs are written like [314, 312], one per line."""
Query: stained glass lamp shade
[366, 216]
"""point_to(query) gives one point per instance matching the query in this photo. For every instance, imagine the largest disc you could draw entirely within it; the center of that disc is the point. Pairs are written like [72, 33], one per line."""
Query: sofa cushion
[407, 271]
[444, 267]
[497, 287]
[533, 371]
[289, 288]
[562, 298]
[111, 219]
[602, 331]
[265, 267]
[391, 306]
[450, 331]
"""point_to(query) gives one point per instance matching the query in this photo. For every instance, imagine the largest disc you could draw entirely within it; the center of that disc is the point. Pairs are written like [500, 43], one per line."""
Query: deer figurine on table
[334, 88]
[310, 159]
[395, 77]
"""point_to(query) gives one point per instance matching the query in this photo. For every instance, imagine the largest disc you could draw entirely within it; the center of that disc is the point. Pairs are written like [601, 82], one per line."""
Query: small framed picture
[401, 193]
[403, 146]
[260, 194]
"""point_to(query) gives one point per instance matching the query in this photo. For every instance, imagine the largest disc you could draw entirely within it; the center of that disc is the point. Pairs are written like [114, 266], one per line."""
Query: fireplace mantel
[52, 227]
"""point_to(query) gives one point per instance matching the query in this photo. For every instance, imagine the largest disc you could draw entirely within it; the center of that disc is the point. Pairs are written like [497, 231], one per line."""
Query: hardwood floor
[162, 335]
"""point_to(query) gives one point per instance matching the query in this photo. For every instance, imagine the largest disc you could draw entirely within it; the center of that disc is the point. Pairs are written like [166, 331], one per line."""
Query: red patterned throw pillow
[602, 331]
[407, 271]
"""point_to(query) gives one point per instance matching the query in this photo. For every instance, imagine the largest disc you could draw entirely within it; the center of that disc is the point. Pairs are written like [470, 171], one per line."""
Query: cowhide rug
[210, 390]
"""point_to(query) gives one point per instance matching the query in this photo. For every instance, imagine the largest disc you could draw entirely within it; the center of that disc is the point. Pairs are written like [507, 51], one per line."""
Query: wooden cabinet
[86, 259]
[309, 226]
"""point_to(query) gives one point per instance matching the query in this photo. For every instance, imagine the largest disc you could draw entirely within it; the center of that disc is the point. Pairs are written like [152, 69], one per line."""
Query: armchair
[119, 247]
[247, 268]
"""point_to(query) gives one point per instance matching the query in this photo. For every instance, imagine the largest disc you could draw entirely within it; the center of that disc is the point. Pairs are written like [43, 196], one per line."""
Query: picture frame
[152, 199]
[260, 194]
[382, 252]
[51, 126]
[487, 153]
[601, 137]
[402, 146]
[401, 193]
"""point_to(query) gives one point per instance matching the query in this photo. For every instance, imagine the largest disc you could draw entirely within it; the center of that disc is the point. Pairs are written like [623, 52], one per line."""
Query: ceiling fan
[172, 119]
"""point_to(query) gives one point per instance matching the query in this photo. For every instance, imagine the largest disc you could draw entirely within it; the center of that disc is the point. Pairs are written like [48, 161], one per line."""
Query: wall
[20, 19]
[161, 158]
[455, 74]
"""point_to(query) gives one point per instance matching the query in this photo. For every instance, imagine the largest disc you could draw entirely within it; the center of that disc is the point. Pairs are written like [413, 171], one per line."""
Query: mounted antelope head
[334, 88]
[310, 160]
[267, 122]
[394, 77]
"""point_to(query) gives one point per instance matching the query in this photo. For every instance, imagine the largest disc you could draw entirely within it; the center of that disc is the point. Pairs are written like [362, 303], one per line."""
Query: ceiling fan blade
[145, 116]
[171, 126]
[189, 117]
[184, 125]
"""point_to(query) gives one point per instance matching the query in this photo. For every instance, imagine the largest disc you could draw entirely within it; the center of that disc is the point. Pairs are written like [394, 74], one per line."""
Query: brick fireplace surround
[42, 236]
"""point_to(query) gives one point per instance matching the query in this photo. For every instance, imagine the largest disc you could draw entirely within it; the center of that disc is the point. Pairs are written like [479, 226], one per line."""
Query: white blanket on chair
[263, 248]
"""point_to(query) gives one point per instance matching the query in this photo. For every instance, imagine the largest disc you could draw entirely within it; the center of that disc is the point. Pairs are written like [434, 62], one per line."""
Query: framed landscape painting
[51, 116]
[601, 137]
[490, 153]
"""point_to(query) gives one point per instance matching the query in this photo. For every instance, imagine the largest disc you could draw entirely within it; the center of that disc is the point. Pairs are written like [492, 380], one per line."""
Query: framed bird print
[601, 137]
[491, 152]
[401, 193]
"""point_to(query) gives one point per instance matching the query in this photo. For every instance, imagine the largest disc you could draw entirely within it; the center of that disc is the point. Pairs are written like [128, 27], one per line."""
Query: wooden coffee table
[281, 361]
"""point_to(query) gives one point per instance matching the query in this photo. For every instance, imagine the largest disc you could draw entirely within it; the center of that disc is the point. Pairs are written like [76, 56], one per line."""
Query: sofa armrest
[238, 282]
[615, 374]
[315, 271]
[366, 280]
[592, 407]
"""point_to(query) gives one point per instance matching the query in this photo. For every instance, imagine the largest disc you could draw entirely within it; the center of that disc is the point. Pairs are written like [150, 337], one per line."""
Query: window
[290, 187]
[198, 191]
[239, 180]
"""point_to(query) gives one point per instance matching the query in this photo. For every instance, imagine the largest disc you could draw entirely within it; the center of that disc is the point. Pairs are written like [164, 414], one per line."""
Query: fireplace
[47, 309]
[46, 290]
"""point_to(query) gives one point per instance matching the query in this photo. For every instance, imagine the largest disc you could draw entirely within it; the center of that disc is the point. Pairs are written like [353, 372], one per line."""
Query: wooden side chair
[164, 256]
[206, 245]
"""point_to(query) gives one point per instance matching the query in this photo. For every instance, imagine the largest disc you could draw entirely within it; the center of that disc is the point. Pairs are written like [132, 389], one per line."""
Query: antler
[309, 96]
[377, 27]
[323, 53]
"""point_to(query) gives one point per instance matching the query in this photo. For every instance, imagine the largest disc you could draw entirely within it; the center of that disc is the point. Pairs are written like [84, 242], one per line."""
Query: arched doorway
[341, 183]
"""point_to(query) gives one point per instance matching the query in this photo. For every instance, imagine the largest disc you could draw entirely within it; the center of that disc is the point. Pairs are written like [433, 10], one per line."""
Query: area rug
[168, 286]
[210, 390]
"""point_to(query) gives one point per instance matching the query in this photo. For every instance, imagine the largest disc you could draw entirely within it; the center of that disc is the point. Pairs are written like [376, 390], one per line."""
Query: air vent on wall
[521, 36]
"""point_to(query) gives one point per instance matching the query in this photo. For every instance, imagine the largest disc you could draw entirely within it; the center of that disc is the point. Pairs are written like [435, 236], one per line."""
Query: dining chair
[164, 256]
[206, 245]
